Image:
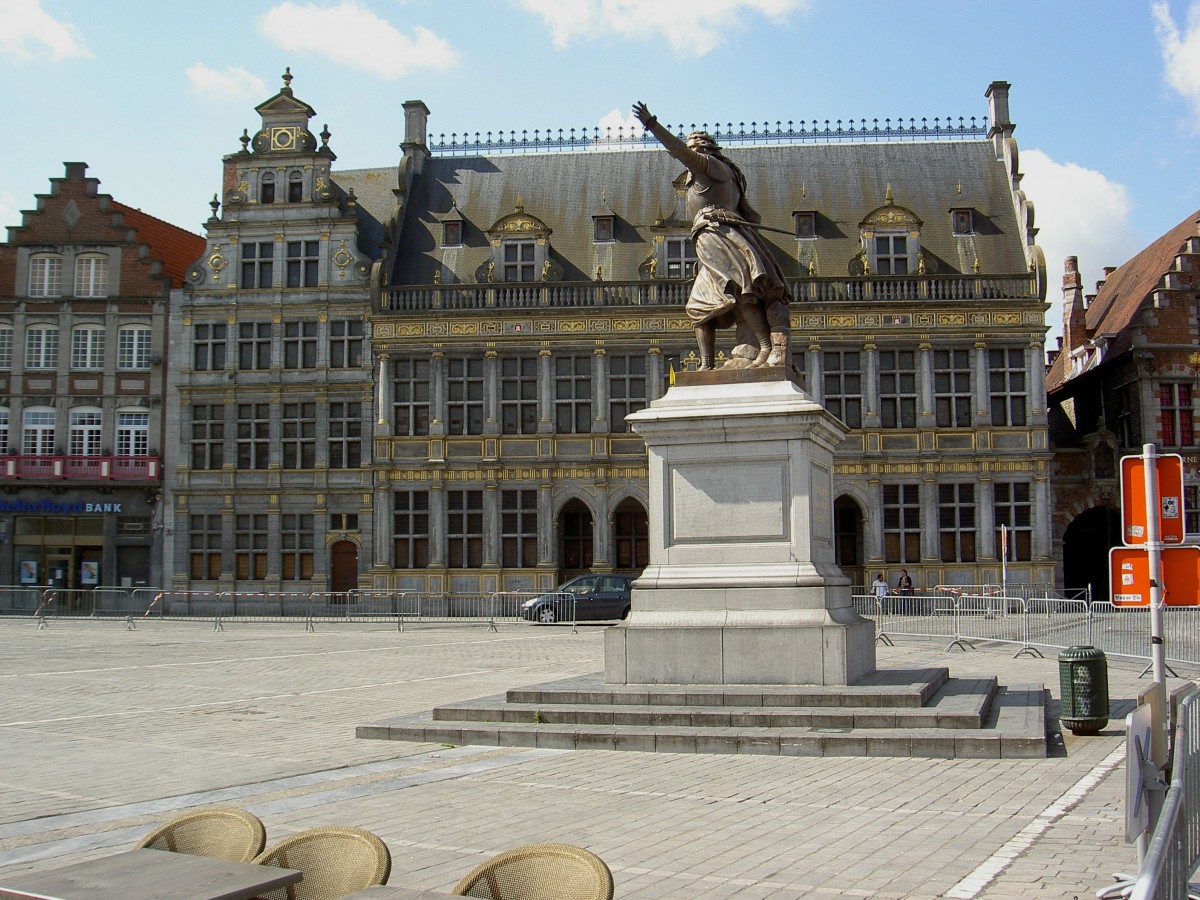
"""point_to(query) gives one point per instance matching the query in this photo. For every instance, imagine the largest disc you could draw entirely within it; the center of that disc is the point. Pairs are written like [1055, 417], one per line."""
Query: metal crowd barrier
[1032, 623]
[1174, 849]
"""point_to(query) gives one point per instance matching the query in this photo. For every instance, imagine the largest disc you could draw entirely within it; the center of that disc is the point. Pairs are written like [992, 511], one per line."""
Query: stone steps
[922, 713]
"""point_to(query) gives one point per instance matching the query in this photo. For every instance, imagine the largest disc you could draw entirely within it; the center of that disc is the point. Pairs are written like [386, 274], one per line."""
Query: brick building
[85, 284]
[1123, 376]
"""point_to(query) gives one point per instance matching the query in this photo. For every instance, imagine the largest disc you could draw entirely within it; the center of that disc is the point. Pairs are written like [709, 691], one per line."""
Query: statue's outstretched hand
[642, 111]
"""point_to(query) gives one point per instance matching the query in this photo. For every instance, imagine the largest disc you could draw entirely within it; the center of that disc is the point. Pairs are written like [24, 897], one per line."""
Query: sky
[1105, 93]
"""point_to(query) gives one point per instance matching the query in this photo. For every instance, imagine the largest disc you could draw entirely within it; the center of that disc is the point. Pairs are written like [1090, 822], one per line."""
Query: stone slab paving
[105, 732]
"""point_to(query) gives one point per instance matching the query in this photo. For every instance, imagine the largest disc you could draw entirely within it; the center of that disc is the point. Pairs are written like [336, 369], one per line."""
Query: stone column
[926, 404]
[600, 423]
[545, 392]
[437, 526]
[871, 387]
[383, 414]
[983, 405]
[437, 400]
[815, 365]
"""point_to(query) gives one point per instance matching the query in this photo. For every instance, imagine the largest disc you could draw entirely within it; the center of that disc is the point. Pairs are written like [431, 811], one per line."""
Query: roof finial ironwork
[287, 80]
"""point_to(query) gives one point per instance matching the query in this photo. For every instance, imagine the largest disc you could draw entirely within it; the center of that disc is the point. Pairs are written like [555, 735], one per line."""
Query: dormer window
[520, 248]
[602, 229]
[266, 192]
[519, 260]
[452, 234]
[806, 224]
[295, 187]
[963, 221]
[891, 239]
[891, 254]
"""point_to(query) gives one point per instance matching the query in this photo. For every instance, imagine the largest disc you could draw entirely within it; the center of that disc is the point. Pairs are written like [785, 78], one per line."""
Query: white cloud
[1078, 212]
[351, 35]
[692, 27]
[615, 124]
[29, 32]
[1181, 53]
[233, 83]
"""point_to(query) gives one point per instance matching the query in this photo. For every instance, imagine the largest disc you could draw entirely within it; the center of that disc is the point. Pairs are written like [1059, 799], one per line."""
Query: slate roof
[842, 183]
[1124, 292]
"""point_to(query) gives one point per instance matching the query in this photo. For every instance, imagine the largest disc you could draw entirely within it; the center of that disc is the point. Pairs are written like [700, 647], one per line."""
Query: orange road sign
[1129, 568]
[1169, 470]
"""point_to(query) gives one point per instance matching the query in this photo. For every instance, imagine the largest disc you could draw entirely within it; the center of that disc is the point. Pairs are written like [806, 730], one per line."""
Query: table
[395, 892]
[149, 875]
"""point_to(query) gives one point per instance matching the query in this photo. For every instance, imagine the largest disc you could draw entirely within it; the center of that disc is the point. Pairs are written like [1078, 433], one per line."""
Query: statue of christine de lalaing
[738, 282]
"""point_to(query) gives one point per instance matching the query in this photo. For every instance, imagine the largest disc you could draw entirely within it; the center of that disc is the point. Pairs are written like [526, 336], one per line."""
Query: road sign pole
[1158, 662]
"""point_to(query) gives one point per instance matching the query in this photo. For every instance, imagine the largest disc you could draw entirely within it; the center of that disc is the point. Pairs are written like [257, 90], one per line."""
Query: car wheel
[546, 615]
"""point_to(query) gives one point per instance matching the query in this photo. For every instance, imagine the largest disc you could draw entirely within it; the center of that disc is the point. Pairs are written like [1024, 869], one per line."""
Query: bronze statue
[738, 282]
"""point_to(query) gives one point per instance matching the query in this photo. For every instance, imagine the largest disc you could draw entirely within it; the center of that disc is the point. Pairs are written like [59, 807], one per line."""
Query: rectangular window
[410, 530]
[133, 348]
[952, 388]
[626, 388]
[250, 543]
[518, 395]
[963, 221]
[295, 188]
[296, 542]
[38, 434]
[257, 262]
[6, 347]
[897, 389]
[464, 529]
[343, 521]
[956, 522]
[87, 348]
[345, 343]
[302, 257]
[451, 234]
[85, 432]
[410, 390]
[602, 229]
[1175, 415]
[464, 395]
[1191, 501]
[680, 254]
[4, 448]
[91, 276]
[299, 426]
[573, 394]
[1013, 508]
[902, 523]
[806, 224]
[204, 542]
[254, 345]
[518, 529]
[345, 435]
[1127, 416]
[891, 254]
[518, 261]
[133, 434]
[41, 347]
[208, 435]
[299, 345]
[253, 435]
[1006, 386]
[208, 347]
[842, 382]
[45, 276]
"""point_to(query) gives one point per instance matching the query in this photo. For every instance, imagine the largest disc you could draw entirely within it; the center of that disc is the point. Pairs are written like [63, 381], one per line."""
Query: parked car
[589, 597]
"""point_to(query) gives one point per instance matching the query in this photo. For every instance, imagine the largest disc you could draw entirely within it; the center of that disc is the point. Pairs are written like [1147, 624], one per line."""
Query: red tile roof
[1124, 292]
[177, 248]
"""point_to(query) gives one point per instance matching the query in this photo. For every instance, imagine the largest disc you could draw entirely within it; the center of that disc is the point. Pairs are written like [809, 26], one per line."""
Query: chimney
[1002, 126]
[416, 118]
[1074, 326]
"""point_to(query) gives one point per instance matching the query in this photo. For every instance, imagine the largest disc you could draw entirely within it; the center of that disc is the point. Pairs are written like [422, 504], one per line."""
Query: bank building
[416, 377]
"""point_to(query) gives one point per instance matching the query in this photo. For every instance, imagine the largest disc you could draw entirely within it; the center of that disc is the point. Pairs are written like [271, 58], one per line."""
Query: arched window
[37, 431]
[295, 187]
[91, 275]
[133, 347]
[45, 275]
[266, 191]
[85, 426]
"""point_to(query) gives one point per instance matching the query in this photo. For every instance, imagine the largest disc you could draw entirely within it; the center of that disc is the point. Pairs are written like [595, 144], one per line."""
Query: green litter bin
[1083, 680]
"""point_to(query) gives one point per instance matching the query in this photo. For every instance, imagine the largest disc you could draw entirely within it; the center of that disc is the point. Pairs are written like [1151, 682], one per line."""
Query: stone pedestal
[742, 587]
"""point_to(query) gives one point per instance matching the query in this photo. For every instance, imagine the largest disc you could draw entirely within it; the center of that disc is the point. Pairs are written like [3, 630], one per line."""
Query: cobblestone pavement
[106, 732]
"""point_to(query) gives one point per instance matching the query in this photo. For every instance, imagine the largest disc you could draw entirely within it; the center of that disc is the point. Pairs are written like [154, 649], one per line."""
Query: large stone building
[416, 377]
[1124, 376]
[84, 289]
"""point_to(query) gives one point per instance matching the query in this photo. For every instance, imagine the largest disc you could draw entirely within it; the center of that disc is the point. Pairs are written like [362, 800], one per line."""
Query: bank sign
[55, 508]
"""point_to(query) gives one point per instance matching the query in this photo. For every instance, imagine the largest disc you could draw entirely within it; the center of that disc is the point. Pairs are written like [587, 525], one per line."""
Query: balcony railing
[559, 295]
[104, 468]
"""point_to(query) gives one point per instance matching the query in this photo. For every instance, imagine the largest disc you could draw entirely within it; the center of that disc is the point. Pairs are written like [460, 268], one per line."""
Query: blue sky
[1105, 94]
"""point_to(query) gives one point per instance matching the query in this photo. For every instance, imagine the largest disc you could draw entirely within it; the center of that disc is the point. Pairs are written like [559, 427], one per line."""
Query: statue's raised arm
[738, 282]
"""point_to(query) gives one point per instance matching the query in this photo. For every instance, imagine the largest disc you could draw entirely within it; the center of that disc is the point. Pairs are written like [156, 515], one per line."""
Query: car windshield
[576, 586]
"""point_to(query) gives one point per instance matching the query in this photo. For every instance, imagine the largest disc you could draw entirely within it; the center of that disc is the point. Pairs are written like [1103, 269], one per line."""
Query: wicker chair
[336, 861]
[540, 872]
[225, 832]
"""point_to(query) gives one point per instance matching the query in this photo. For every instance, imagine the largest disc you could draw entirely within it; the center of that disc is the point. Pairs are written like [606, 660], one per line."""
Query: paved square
[106, 732]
